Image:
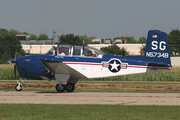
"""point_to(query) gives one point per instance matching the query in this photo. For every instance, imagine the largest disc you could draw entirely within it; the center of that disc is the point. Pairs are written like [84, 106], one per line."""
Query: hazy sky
[100, 18]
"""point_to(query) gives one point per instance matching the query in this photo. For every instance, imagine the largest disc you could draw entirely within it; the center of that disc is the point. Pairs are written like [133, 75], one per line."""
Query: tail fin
[157, 47]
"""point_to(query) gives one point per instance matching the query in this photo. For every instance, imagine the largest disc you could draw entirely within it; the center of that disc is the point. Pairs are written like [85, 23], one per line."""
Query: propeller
[15, 71]
[14, 61]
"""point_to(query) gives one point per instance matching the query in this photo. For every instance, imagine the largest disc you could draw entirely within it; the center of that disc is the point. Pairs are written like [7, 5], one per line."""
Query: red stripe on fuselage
[121, 65]
[149, 67]
[83, 63]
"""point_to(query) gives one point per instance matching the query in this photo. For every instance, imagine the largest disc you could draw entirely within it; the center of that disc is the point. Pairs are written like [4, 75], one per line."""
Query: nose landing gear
[19, 86]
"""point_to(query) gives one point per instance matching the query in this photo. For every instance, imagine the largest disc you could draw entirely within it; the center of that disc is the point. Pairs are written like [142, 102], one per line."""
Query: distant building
[119, 41]
[108, 42]
[23, 37]
[101, 41]
[104, 41]
[36, 49]
[98, 41]
[24, 40]
[34, 42]
[132, 49]
[42, 46]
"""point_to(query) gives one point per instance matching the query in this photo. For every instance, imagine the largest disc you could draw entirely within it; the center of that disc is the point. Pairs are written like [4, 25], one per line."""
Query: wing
[62, 71]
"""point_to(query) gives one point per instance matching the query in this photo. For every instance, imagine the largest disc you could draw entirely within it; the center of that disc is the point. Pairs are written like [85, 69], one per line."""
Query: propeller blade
[16, 53]
[15, 64]
[15, 71]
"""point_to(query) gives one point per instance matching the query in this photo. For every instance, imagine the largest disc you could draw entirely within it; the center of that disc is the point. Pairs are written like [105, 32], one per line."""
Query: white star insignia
[114, 66]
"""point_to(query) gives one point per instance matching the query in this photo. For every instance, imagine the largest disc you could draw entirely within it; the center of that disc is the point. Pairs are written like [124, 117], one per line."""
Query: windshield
[92, 52]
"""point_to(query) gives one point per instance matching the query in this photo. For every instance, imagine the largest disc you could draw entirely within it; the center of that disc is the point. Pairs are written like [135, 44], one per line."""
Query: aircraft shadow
[57, 92]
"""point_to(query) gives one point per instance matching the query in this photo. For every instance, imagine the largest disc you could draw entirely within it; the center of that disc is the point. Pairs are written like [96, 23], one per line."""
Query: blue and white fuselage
[71, 63]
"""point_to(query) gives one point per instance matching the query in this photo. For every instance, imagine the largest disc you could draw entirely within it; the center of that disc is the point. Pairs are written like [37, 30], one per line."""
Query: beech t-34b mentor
[71, 63]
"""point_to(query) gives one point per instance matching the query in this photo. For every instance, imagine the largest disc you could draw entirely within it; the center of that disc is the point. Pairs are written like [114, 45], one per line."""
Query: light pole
[27, 39]
[53, 37]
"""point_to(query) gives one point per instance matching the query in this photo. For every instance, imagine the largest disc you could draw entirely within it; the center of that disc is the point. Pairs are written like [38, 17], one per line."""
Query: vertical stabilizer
[157, 47]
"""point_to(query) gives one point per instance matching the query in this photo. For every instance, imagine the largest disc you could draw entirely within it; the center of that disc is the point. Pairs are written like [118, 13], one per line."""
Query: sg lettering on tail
[160, 47]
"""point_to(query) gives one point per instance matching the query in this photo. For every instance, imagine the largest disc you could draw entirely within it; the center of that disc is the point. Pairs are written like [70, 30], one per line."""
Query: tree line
[87, 39]
[9, 44]
[41, 36]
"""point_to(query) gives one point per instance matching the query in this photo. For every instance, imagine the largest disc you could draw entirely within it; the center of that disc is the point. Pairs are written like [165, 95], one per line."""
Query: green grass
[169, 87]
[87, 112]
[7, 73]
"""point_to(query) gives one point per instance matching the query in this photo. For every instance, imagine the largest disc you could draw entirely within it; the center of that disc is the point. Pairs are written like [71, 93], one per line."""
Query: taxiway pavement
[90, 98]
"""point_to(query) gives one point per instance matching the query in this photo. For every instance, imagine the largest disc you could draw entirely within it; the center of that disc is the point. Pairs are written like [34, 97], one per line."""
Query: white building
[132, 49]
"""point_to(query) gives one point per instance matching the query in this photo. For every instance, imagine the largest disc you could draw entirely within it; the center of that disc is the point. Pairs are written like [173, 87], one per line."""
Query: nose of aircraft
[12, 61]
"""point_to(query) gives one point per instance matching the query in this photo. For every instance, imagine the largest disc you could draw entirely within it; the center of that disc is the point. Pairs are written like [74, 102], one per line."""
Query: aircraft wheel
[60, 88]
[70, 87]
[18, 87]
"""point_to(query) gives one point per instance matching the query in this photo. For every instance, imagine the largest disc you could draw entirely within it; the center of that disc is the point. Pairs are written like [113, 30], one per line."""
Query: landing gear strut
[19, 86]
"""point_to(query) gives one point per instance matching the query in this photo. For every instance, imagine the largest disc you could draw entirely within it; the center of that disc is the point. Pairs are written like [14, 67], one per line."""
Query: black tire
[18, 88]
[70, 87]
[58, 89]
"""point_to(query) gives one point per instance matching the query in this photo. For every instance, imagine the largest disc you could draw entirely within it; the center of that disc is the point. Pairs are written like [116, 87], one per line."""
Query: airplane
[69, 63]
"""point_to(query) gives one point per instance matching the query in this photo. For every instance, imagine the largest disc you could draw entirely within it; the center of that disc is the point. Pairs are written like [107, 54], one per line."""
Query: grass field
[87, 112]
[7, 73]
[94, 112]
[97, 86]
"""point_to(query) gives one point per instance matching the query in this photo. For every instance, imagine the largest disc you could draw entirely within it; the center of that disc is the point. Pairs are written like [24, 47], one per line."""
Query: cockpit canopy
[70, 50]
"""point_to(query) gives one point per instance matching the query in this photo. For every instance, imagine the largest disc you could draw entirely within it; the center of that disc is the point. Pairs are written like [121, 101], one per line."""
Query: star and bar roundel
[114, 65]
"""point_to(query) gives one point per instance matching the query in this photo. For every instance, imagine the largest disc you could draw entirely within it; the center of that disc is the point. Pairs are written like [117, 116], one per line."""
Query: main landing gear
[19, 86]
[69, 87]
